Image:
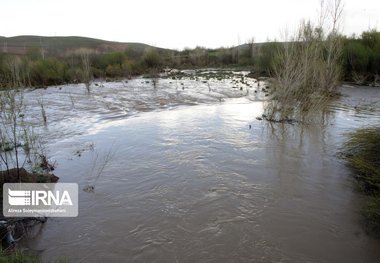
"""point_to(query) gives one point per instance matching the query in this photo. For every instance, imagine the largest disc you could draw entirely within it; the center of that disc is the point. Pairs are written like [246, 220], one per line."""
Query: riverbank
[19, 257]
[362, 152]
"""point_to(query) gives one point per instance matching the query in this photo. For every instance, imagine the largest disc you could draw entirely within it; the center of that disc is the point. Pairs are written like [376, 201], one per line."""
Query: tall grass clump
[11, 129]
[20, 147]
[362, 152]
[86, 68]
[307, 68]
[19, 257]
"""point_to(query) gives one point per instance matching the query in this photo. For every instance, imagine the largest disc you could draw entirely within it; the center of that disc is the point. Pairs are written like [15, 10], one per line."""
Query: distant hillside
[57, 46]
[60, 46]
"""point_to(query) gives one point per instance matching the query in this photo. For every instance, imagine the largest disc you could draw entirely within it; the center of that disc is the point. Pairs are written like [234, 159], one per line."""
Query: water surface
[191, 181]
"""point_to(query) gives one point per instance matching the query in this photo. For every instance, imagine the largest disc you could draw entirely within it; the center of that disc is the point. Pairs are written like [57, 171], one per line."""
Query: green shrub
[361, 57]
[152, 59]
[48, 72]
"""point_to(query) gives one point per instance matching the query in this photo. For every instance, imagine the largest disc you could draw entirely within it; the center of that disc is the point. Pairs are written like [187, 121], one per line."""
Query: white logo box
[40, 200]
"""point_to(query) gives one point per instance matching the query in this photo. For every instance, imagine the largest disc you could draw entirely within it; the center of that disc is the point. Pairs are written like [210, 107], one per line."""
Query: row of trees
[359, 57]
[80, 66]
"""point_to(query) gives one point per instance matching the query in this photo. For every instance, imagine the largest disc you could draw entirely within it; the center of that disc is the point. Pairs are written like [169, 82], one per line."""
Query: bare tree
[86, 67]
[100, 162]
[18, 143]
[251, 44]
[43, 113]
[13, 64]
[307, 70]
[11, 119]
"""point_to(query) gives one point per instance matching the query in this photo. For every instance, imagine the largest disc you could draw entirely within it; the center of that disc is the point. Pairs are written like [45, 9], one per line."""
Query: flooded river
[194, 177]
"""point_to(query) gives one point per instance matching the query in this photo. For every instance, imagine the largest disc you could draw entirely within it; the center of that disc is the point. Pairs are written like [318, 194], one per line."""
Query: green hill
[62, 45]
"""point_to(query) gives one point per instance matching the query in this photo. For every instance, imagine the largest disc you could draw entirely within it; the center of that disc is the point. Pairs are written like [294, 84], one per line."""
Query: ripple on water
[195, 184]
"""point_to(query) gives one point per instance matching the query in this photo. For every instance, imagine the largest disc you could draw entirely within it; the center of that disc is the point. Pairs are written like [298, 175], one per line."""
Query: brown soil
[22, 176]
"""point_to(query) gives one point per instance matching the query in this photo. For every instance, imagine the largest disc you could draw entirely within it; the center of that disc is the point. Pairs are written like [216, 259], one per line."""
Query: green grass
[362, 152]
[371, 214]
[18, 257]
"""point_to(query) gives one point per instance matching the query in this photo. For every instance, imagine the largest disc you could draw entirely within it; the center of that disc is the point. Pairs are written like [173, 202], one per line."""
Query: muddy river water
[190, 181]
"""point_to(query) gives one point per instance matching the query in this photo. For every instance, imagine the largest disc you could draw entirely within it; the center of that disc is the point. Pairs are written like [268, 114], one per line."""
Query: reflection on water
[197, 184]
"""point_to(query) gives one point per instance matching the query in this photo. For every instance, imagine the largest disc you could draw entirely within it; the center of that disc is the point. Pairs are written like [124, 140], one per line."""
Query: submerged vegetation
[362, 152]
[305, 71]
[20, 146]
[307, 68]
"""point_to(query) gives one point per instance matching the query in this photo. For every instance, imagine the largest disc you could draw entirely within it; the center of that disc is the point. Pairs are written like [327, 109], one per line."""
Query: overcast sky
[174, 23]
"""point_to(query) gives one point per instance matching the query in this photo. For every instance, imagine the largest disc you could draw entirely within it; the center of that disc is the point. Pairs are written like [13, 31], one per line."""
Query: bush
[306, 73]
[152, 59]
[73, 74]
[266, 58]
[114, 70]
[362, 57]
[48, 72]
